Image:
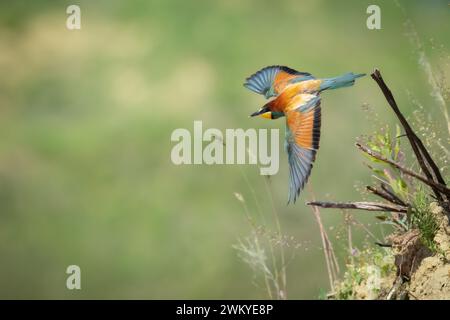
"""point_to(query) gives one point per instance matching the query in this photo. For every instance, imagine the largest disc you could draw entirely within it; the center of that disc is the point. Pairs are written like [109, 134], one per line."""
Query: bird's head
[264, 112]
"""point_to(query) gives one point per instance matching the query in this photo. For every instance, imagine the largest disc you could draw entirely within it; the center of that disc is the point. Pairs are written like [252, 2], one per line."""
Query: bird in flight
[296, 96]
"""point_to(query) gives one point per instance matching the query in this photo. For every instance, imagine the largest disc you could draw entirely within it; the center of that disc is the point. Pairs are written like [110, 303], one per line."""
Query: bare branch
[399, 201]
[431, 183]
[418, 147]
[385, 195]
[369, 206]
[383, 245]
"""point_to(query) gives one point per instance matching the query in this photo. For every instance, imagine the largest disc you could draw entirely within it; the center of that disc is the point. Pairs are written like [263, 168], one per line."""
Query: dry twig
[436, 186]
[361, 205]
[422, 154]
[385, 195]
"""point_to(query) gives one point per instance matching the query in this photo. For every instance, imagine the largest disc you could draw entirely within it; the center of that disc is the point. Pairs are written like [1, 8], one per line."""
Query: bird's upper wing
[302, 140]
[271, 81]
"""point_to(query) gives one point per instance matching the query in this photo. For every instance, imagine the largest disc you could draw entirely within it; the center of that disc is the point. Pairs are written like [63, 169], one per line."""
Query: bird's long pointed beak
[257, 113]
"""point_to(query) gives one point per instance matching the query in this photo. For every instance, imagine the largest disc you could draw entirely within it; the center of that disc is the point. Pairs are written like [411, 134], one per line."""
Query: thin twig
[330, 257]
[362, 226]
[383, 194]
[347, 219]
[383, 245]
[369, 206]
[431, 183]
[385, 188]
[282, 295]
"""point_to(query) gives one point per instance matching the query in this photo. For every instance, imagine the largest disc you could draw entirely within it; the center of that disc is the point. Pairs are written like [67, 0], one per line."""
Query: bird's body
[296, 98]
[287, 97]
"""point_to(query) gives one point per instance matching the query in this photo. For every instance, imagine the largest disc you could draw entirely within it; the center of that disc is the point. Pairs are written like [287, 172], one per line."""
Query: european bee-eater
[296, 96]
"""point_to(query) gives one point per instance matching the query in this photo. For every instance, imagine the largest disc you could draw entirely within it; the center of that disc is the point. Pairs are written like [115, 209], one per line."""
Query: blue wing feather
[300, 166]
[300, 158]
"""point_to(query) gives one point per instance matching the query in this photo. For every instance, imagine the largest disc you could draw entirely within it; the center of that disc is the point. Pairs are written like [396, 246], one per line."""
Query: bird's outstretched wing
[271, 81]
[302, 140]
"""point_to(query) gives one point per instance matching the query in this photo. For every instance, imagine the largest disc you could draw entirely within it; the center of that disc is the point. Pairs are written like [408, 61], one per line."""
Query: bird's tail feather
[345, 80]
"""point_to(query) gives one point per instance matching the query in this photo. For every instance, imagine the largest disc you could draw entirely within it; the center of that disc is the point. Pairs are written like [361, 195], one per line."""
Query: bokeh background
[86, 118]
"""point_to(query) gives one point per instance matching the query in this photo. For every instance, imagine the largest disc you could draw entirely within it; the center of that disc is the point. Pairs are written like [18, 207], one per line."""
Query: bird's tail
[345, 80]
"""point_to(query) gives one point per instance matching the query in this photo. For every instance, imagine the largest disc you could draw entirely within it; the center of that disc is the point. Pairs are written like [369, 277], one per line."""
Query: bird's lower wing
[302, 141]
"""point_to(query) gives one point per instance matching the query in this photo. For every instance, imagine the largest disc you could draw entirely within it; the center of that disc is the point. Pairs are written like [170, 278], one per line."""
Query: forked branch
[440, 187]
[423, 157]
[432, 178]
[386, 194]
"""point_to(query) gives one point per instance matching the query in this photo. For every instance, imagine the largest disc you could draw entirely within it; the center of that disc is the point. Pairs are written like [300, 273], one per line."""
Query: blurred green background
[86, 118]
